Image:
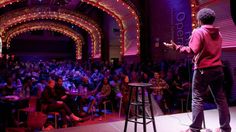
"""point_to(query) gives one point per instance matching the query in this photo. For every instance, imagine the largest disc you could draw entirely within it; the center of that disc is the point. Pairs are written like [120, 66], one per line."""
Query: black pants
[63, 109]
[202, 79]
[69, 101]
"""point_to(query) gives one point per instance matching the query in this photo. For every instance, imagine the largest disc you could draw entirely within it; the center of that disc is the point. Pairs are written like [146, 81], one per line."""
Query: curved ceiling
[15, 17]
[125, 15]
[128, 21]
[32, 26]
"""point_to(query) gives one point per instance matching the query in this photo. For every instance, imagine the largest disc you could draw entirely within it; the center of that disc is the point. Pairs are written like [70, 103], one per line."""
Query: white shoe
[74, 117]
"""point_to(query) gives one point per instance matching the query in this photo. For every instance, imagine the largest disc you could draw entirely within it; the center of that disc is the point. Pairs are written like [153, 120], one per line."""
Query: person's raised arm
[179, 48]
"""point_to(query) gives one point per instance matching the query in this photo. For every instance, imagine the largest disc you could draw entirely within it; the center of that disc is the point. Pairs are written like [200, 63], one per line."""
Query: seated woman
[103, 94]
[51, 104]
[115, 84]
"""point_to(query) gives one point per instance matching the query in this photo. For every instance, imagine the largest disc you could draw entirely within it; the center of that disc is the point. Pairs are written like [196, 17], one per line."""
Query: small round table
[140, 104]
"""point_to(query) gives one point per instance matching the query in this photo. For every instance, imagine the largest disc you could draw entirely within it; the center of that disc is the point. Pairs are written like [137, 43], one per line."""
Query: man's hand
[171, 45]
[64, 97]
[59, 102]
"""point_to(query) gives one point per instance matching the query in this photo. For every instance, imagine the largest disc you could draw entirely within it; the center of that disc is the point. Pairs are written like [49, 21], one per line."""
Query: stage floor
[165, 123]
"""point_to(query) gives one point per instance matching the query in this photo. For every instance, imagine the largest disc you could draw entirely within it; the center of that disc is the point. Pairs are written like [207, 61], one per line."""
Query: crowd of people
[67, 86]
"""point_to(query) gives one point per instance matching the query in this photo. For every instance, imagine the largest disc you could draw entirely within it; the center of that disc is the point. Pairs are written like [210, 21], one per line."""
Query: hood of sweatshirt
[213, 31]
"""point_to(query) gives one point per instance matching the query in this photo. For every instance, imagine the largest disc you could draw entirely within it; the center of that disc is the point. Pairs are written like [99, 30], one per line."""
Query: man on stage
[205, 44]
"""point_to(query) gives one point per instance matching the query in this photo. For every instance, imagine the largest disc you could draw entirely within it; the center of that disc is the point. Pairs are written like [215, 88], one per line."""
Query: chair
[56, 115]
[182, 101]
[109, 101]
[105, 107]
[92, 113]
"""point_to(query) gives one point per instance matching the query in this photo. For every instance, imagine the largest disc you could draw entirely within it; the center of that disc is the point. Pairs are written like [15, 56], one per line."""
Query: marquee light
[128, 21]
[194, 9]
[115, 9]
[28, 14]
[3, 3]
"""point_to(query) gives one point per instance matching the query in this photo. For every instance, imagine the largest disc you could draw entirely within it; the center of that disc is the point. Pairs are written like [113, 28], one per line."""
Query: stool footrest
[147, 117]
[141, 117]
[140, 103]
[139, 122]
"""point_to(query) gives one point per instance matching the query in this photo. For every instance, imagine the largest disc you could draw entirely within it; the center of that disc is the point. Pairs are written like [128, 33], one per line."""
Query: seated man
[87, 90]
[63, 96]
[97, 76]
[159, 86]
[51, 104]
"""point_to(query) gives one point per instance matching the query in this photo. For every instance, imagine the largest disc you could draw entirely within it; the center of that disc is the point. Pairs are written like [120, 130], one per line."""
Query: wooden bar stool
[140, 104]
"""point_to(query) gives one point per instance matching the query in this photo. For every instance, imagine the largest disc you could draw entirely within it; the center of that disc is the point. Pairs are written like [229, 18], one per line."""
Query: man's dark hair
[206, 16]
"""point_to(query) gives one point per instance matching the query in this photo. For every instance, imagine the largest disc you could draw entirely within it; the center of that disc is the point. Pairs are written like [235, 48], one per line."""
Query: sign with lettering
[181, 21]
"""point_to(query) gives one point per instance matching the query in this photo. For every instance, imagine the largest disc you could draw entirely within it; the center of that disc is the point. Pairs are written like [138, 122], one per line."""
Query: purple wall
[170, 19]
[112, 35]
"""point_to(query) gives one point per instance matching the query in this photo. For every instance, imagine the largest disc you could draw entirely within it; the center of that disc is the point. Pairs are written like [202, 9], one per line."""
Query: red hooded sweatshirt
[205, 43]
